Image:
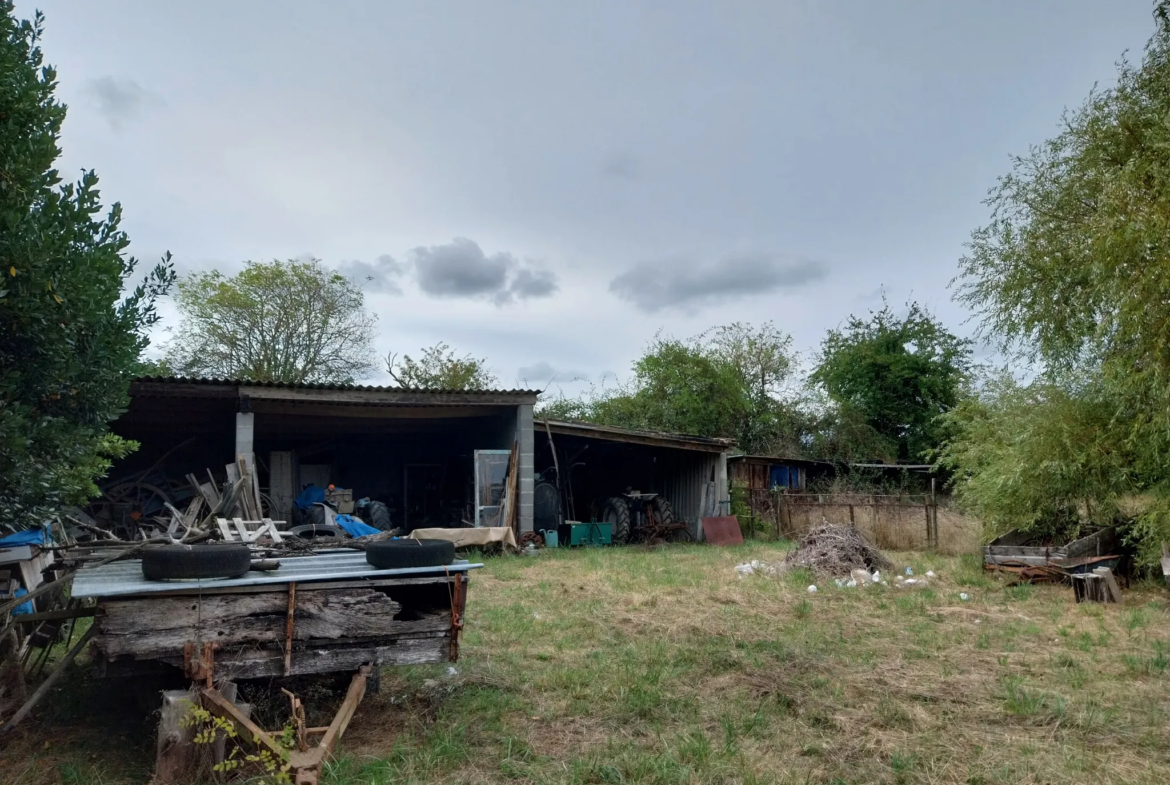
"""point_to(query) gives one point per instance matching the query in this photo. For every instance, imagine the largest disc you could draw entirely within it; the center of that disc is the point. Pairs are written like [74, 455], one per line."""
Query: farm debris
[755, 566]
[812, 589]
[830, 549]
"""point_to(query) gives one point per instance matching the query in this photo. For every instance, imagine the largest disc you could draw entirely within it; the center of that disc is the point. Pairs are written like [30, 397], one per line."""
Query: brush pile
[830, 550]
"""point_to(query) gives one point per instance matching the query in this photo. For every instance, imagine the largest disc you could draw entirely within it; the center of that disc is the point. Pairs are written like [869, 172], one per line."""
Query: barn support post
[525, 438]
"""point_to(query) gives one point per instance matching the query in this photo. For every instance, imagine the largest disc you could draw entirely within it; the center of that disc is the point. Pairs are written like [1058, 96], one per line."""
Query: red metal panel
[722, 530]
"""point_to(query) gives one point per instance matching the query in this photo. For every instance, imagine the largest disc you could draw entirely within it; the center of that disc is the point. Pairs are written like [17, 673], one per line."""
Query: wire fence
[907, 522]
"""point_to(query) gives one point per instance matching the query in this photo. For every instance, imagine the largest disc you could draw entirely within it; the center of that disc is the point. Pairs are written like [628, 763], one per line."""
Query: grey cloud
[655, 286]
[622, 165]
[381, 275]
[461, 269]
[529, 282]
[121, 100]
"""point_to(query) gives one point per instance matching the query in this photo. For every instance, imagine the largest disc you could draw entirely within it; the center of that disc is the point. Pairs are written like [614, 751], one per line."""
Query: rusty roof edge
[677, 438]
[193, 380]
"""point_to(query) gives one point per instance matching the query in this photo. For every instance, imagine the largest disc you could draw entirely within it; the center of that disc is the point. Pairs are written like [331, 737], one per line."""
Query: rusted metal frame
[458, 602]
[305, 762]
[289, 626]
[200, 668]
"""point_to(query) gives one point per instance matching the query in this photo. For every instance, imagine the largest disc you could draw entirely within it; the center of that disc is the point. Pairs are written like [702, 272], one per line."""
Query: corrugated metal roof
[613, 432]
[125, 577]
[316, 386]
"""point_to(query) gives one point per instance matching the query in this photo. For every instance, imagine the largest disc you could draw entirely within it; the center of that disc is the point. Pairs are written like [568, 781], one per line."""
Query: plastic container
[550, 537]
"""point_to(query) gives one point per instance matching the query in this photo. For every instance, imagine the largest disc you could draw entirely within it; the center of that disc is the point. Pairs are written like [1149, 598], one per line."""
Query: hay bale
[832, 550]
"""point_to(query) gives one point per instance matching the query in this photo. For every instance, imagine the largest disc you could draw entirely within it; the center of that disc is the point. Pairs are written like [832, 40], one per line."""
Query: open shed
[412, 449]
[599, 461]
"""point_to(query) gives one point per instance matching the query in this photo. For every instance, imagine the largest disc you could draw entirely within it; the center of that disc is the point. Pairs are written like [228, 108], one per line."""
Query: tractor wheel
[665, 514]
[377, 514]
[616, 513]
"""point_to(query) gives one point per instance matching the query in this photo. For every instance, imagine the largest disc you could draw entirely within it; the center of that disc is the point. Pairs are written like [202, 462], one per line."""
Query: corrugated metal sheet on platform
[125, 577]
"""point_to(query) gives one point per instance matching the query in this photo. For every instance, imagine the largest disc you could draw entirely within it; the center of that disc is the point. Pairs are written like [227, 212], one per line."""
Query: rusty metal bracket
[289, 626]
[200, 667]
[458, 599]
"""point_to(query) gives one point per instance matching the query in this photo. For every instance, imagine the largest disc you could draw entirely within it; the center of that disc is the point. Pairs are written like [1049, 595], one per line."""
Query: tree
[292, 321]
[1072, 274]
[69, 339]
[730, 381]
[895, 376]
[438, 368]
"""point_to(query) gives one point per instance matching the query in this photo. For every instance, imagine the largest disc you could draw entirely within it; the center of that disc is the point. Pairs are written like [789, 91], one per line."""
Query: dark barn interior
[413, 452]
[597, 462]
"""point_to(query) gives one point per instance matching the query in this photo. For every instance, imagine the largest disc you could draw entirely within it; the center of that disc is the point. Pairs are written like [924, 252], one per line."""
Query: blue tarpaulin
[309, 496]
[26, 607]
[37, 536]
[353, 526]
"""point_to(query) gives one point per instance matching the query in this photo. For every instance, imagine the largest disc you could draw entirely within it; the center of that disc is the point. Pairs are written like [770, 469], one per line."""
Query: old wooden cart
[326, 613]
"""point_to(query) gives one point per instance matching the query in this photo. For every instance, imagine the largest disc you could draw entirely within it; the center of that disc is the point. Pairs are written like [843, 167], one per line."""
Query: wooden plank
[48, 683]
[176, 756]
[64, 613]
[142, 627]
[357, 690]
[1110, 582]
[266, 663]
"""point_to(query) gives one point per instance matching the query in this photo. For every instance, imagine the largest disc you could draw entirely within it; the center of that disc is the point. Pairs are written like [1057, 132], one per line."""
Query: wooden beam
[357, 690]
[216, 703]
[64, 613]
[47, 684]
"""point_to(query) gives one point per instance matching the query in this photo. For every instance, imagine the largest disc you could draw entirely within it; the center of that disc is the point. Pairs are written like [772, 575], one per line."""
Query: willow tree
[1072, 274]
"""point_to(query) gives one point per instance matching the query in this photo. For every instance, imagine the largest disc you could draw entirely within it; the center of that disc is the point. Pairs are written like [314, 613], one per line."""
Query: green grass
[662, 666]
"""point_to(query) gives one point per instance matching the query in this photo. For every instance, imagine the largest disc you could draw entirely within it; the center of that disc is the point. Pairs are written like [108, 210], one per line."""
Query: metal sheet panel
[125, 577]
[687, 480]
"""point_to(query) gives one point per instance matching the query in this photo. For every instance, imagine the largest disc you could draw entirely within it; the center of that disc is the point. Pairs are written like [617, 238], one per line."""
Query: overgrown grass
[662, 666]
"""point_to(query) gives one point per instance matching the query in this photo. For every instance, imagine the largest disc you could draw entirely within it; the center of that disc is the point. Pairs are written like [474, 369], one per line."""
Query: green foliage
[208, 727]
[69, 339]
[1036, 457]
[438, 368]
[890, 378]
[1072, 273]
[730, 381]
[291, 321]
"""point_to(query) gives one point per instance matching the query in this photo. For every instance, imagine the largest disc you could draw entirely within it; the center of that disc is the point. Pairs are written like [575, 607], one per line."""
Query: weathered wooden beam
[144, 627]
[216, 703]
[47, 684]
[64, 613]
[266, 663]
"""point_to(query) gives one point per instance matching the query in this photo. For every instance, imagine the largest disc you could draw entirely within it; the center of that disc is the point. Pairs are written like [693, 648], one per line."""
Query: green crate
[593, 533]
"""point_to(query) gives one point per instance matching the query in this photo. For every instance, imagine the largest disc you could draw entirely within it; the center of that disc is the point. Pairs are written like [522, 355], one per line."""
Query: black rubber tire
[184, 562]
[616, 512]
[377, 514]
[397, 554]
[318, 532]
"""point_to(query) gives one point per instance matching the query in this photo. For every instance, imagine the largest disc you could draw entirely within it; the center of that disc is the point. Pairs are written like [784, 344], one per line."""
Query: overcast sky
[548, 184]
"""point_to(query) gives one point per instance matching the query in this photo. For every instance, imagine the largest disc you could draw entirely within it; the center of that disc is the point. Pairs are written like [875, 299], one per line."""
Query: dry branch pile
[830, 550]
